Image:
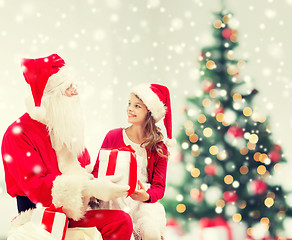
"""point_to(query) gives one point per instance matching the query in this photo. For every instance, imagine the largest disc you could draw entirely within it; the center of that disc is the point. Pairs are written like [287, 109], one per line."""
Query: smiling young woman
[147, 105]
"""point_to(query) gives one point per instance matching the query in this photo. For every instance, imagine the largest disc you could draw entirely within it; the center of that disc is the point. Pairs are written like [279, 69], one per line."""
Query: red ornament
[211, 169]
[219, 110]
[277, 148]
[275, 156]
[202, 54]
[197, 195]
[172, 223]
[226, 33]
[257, 187]
[207, 86]
[235, 131]
[230, 196]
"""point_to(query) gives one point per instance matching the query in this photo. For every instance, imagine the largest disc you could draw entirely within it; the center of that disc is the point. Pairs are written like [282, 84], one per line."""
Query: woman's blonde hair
[153, 136]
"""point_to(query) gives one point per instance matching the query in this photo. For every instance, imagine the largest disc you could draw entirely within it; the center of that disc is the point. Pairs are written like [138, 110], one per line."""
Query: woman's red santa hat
[45, 75]
[156, 97]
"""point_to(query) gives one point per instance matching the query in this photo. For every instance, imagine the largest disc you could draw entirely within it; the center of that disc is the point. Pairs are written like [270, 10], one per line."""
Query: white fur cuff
[67, 192]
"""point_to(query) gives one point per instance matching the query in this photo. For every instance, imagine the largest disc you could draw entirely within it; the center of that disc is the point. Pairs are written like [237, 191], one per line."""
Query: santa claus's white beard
[64, 122]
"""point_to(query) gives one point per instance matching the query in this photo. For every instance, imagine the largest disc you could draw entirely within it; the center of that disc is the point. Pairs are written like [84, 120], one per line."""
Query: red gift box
[120, 161]
[52, 219]
[215, 228]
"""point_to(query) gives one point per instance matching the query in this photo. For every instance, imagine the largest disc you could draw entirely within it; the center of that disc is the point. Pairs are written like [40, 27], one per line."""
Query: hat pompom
[170, 142]
[37, 113]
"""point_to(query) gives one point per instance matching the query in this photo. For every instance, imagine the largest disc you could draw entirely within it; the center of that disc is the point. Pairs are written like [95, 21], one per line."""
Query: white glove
[105, 188]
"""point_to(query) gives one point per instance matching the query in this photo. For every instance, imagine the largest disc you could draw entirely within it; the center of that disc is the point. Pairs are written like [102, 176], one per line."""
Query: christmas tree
[227, 146]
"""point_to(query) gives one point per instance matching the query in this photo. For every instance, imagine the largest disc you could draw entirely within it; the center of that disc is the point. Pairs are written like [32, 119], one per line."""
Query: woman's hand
[141, 194]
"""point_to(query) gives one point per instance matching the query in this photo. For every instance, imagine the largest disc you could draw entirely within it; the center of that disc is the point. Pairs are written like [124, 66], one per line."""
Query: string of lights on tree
[227, 145]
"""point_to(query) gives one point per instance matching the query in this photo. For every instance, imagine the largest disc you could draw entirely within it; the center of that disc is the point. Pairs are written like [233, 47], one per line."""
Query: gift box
[215, 229]
[121, 161]
[52, 219]
[219, 229]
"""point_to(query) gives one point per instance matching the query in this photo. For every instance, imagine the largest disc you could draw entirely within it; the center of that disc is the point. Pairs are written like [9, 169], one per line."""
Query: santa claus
[45, 159]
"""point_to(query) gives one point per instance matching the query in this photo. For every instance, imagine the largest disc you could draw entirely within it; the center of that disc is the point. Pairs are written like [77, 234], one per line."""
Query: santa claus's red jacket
[30, 162]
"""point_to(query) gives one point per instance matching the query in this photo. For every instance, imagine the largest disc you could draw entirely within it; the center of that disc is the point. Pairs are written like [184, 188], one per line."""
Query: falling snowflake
[2, 3]
[262, 26]
[114, 4]
[234, 23]
[16, 130]
[39, 205]
[176, 24]
[72, 44]
[114, 18]
[99, 35]
[7, 158]
[275, 50]
[153, 3]
[270, 13]
[19, 18]
[37, 169]
[28, 9]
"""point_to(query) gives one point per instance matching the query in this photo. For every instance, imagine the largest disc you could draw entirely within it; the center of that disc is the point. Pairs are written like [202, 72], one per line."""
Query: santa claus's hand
[141, 194]
[106, 188]
[114, 178]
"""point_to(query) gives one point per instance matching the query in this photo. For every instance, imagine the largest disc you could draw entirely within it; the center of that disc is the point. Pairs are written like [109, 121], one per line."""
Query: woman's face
[136, 110]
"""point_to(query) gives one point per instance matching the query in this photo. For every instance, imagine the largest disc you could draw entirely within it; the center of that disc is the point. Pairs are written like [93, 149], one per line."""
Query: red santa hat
[45, 75]
[37, 72]
[157, 99]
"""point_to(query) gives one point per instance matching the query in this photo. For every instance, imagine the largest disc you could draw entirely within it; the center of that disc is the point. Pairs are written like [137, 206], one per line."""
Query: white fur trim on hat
[67, 193]
[37, 113]
[151, 100]
[59, 81]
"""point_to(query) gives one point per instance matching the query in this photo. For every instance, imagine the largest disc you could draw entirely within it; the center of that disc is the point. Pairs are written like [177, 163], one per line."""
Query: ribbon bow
[52, 208]
[127, 148]
[49, 220]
